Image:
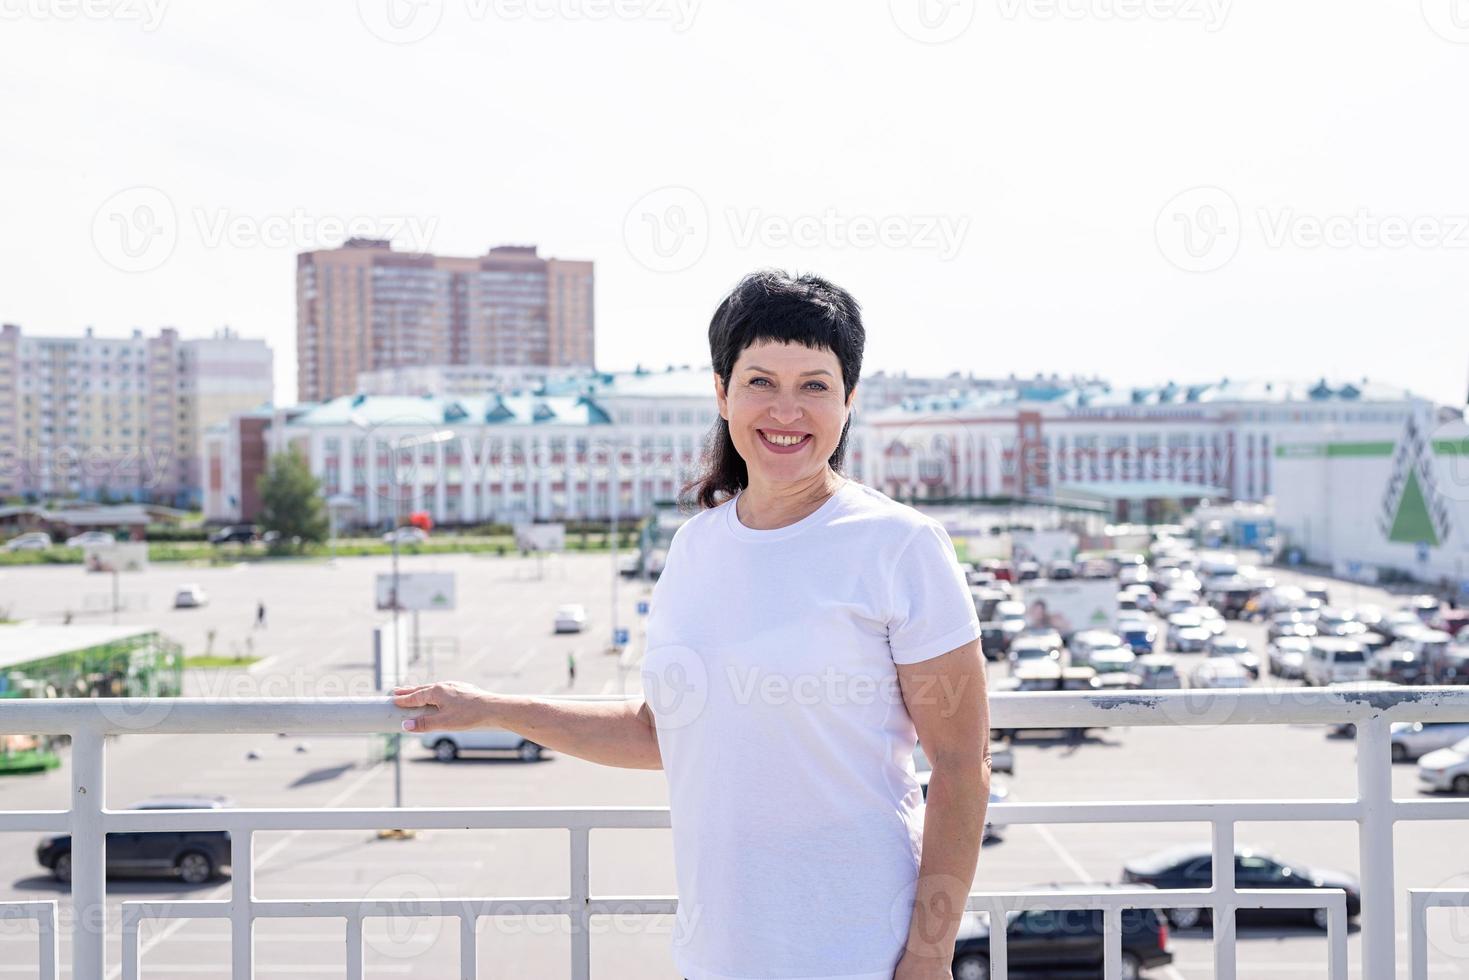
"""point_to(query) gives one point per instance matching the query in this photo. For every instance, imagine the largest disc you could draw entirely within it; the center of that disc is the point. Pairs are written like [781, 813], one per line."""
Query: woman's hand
[915, 967]
[452, 706]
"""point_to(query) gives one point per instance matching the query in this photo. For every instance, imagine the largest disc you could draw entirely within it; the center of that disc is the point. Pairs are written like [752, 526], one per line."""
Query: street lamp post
[403, 442]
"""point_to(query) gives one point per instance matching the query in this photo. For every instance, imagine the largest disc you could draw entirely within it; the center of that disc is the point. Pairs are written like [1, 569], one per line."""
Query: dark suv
[235, 534]
[196, 856]
[1062, 942]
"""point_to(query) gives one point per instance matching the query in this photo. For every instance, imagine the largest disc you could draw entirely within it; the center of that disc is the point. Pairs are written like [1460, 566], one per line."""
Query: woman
[804, 630]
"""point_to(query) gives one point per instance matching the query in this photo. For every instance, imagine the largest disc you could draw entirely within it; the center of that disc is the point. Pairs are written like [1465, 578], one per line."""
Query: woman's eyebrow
[803, 373]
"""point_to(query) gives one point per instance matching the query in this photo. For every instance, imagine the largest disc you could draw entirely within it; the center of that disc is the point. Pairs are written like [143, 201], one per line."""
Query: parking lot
[316, 641]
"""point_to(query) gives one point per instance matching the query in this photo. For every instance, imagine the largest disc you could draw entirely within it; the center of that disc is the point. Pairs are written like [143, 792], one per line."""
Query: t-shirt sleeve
[931, 611]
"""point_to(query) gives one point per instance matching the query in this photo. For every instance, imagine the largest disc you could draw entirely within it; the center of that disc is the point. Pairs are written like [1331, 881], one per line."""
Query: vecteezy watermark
[138, 229]
[1198, 230]
[409, 21]
[1201, 229]
[669, 230]
[940, 233]
[147, 13]
[932, 21]
[1449, 19]
[1209, 13]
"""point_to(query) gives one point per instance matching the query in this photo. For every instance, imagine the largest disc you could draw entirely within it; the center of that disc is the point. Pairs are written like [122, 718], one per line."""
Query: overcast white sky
[1006, 185]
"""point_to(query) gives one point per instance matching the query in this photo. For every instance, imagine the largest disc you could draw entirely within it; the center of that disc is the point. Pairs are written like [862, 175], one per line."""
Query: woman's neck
[764, 507]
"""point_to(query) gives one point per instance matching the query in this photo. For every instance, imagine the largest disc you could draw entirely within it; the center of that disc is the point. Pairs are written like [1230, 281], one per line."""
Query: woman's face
[789, 392]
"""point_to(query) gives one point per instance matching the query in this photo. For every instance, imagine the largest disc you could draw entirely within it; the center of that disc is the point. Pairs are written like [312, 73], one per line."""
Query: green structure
[80, 662]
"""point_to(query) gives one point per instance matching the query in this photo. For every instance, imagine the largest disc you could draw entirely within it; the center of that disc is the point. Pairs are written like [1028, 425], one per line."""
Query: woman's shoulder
[886, 515]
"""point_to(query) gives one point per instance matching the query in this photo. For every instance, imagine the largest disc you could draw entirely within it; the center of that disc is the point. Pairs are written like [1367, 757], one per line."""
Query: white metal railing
[1374, 811]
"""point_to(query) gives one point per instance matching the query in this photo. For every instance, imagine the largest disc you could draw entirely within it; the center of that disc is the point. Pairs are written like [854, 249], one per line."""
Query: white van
[1335, 660]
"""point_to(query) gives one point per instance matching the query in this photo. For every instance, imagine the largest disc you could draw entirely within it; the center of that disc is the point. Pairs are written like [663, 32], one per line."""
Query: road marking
[220, 891]
[1170, 972]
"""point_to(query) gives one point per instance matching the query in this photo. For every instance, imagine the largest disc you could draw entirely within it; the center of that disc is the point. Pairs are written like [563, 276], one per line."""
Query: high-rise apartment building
[119, 417]
[364, 307]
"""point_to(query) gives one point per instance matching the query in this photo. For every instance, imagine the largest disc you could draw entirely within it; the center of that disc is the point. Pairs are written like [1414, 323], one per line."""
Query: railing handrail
[1371, 709]
[377, 714]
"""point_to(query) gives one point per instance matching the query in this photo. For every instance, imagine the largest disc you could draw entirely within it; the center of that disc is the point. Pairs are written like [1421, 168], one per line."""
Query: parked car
[235, 534]
[1338, 622]
[90, 539]
[1083, 642]
[1219, 672]
[1319, 592]
[1176, 601]
[629, 564]
[1054, 942]
[447, 746]
[1447, 769]
[196, 856]
[1286, 656]
[1026, 649]
[1140, 635]
[1290, 623]
[571, 618]
[1335, 660]
[1236, 647]
[1425, 607]
[30, 541]
[1157, 671]
[190, 597]
[1413, 739]
[1186, 633]
[1061, 569]
[1111, 660]
[1397, 663]
[1192, 866]
[407, 534]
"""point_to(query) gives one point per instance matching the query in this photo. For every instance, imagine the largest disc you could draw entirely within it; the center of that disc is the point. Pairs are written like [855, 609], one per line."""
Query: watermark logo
[940, 233]
[1198, 230]
[932, 21]
[136, 229]
[148, 14]
[400, 21]
[675, 685]
[1449, 19]
[413, 922]
[1211, 14]
[667, 230]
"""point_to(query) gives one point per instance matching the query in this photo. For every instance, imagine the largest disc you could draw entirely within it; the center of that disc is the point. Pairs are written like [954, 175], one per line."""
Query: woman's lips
[795, 448]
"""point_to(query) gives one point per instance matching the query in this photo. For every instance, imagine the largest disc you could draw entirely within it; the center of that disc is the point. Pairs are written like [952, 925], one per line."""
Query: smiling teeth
[783, 440]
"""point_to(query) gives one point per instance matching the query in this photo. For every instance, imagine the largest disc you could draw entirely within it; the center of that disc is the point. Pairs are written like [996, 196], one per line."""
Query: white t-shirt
[770, 671]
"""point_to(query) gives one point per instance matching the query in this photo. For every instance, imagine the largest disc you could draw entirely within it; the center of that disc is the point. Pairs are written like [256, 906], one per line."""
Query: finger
[413, 699]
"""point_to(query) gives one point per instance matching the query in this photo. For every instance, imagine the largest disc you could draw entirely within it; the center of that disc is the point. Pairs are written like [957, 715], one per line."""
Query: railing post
[581, 886]
[88, 854]
[242, 915]
[1223, 914]
[1375, 846]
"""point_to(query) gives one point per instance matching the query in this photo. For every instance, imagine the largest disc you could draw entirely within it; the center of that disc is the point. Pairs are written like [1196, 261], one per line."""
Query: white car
[90, 539]
[1287, 656]
[1412, 739]
[1335, 660]
[1176, 601]
[1447, 769]
[1186, 632]
[30, 541]
[190, 597]
[1219, 672]
[571, 618]
[1111, 660]
[407, 534]
[447, 746]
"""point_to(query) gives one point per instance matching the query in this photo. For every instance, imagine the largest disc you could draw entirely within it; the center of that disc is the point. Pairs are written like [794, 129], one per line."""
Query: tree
[290, 501]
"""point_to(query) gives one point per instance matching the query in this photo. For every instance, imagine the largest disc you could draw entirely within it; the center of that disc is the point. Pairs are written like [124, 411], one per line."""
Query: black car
[196, 856]
[1061, 942]
[236, 534]
[1192, 866]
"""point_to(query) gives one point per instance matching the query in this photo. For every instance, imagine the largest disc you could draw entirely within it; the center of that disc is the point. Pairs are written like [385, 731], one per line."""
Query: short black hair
[772, 305]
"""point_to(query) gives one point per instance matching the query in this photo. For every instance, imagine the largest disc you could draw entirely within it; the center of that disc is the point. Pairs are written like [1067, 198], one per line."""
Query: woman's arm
[612, 733]
[948, 703]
